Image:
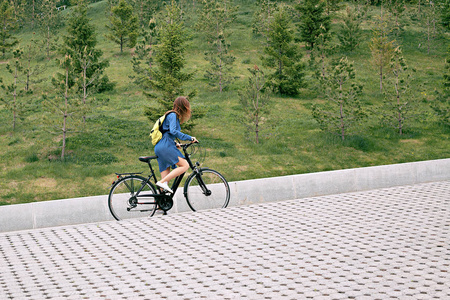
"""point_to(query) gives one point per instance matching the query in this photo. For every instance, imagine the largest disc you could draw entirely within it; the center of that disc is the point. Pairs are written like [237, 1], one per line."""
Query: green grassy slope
[117, 133]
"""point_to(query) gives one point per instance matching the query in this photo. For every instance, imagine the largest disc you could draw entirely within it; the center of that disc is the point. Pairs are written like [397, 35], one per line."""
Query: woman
[166, 148]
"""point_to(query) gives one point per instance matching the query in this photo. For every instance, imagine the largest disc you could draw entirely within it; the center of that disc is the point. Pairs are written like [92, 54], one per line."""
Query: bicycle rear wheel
[207, 189]
[122, 200]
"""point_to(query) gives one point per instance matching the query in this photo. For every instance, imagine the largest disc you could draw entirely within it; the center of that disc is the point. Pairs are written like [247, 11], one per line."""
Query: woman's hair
[182, 108]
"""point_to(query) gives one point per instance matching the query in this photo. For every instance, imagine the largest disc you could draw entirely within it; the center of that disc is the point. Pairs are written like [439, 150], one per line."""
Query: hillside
[116, 132]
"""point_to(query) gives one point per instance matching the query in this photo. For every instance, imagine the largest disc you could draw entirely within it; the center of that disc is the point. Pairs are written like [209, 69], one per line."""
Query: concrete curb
[95, 208]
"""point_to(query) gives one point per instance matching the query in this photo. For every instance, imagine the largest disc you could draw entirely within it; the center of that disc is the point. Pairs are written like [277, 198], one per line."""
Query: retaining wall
[95, 208]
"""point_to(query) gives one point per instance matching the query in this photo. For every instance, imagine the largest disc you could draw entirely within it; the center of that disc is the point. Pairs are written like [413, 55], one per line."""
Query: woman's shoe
[164, 186]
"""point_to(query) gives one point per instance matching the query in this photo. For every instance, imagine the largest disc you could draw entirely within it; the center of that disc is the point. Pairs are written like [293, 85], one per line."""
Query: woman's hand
[194, 140]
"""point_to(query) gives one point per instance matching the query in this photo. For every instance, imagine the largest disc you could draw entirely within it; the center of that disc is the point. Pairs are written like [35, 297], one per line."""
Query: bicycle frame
[160, 197]
[137, 195]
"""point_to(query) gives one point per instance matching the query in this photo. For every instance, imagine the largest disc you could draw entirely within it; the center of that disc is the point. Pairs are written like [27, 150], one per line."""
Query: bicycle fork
[202, 185]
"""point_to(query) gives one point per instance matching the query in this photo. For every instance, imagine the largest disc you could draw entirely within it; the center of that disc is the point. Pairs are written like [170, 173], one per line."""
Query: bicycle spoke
[123, 202]
[207, 190]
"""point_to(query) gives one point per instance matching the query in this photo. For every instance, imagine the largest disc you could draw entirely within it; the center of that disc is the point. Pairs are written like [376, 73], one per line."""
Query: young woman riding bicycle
[167, 149]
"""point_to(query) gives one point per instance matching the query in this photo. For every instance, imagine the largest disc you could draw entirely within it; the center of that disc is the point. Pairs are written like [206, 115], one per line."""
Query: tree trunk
[15, 98]
[428, 35]
[48, 42]
[84, 91]
[381, 76]
[341, 110]
[66, 104]
[400, 121]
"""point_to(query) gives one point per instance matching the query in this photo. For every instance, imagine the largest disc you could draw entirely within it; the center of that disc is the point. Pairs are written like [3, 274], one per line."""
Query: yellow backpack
[155, 133]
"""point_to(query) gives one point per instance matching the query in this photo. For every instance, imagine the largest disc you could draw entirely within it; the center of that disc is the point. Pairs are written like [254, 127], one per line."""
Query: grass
[291, 142]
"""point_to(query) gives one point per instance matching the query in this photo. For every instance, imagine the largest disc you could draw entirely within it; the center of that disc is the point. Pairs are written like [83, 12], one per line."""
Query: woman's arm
[172, 119]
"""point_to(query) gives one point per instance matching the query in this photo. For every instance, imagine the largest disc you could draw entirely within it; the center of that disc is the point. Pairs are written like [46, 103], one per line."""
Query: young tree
[320, 54]
[84, 82]
[396, 8]
[399, 101]
[262, 18]
[167, 76]
[31, 69]
[254, 99]
[80, 37]
[12, 90]
[283, 55]
[350, 33]
[382, 47]
[444, 8]
[144, 11]
[49, 20]
[362, 8]
[332, 5]
[32, 10]
[312, 17]
[124, 25]
[64, 107]
[214, 20]
[342, 111]
[430, 19]
[142, 61]
[441, 105]
[7, 24]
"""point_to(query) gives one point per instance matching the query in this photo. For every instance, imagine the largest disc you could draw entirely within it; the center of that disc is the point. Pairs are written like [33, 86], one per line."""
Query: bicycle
[132, 195]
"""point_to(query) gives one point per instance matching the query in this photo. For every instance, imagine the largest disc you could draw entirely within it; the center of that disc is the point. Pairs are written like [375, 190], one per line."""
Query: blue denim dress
[166, 149]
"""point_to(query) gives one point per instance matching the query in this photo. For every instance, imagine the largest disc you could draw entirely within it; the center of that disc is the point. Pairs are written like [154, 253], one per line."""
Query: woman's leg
[165, 173]
[183, 166]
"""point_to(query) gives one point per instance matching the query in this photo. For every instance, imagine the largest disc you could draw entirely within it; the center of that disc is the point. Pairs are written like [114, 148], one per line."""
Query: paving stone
[389, 243]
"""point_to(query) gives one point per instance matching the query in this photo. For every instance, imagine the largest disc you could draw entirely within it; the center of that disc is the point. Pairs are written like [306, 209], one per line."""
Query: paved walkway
[390, 243]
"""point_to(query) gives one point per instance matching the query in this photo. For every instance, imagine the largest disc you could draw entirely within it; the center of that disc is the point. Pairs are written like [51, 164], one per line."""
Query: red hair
[182, 108]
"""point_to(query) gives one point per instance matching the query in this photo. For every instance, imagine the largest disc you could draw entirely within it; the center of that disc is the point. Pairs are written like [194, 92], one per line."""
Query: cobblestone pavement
[391, 243]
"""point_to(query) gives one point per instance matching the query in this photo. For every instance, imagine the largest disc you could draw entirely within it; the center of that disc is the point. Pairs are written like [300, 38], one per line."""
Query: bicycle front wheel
[207, 189]
[128, 198]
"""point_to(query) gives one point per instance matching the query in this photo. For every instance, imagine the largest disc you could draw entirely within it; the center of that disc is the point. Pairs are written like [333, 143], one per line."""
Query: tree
[214, 20]
[142, 61]
[444, 8]
[382, 47]
[332, 5]
[342, 110]
[124, 25]
[441, 105]
[49, 20]
[81, 37]
[430, 19]
[32, 9]
[83, 81]
[362, 8]
[8, 22]
[399, 101]
[350, 33]
[144, 10]
[396, 8]
[319, 55]
[64, 107]
[262, 18]
[32, 70]
[15, 68]
[254, 99]
[283, 55]
[312, 17]
[167, 76]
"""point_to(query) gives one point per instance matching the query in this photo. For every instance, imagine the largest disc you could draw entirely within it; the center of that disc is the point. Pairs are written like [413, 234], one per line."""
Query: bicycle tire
[122, 203]
[216, 196]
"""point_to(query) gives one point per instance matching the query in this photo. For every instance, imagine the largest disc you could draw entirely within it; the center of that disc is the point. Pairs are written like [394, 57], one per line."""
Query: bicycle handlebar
[187, 145]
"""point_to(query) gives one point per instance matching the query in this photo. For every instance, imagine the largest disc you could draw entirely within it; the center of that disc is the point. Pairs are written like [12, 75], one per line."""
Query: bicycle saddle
[147, 158]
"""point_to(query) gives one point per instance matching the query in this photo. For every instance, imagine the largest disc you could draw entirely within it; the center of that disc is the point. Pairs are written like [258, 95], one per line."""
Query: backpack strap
[161, 125]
